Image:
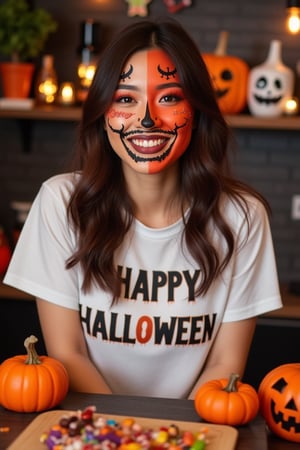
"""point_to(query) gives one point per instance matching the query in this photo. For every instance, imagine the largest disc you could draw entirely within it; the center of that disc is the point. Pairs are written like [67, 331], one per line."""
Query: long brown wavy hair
[100, 207]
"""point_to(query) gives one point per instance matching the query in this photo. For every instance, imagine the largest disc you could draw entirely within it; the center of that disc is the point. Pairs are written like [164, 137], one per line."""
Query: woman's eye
[124, 99]
[171, 98]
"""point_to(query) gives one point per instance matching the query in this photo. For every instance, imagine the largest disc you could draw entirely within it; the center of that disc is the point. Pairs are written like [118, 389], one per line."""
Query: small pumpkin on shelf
[32, 383]
[227, 401]
[279, 395]
[229, 75]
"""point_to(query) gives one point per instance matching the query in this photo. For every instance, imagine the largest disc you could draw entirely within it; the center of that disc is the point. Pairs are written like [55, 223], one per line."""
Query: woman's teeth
[148, 146]
[148, 143]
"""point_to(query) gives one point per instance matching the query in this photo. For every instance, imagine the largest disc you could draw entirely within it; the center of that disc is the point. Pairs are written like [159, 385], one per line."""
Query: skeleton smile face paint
[149, 123]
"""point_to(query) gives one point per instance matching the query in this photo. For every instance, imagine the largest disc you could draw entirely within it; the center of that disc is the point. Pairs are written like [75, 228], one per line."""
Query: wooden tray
[220, 437]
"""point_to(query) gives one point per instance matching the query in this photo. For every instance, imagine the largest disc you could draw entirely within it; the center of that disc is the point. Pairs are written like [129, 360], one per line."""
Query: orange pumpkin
[229, 75]
[227, 401]
[30, 383]
[279, 395]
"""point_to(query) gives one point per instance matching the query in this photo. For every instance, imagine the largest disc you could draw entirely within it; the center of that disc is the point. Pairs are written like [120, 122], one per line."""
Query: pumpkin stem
[232, 383]
[221, 48]
[32, 356]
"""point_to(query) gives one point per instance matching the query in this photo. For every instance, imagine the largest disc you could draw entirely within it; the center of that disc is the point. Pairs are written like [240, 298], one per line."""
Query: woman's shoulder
[243, 206]
[62, 180]
[55, 192]
[61, 185]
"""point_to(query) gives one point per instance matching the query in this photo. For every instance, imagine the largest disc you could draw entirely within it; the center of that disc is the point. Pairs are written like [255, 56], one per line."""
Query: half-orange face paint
[149, 123]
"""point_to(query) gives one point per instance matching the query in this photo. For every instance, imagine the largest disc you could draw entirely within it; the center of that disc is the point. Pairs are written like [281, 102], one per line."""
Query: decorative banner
[137, 8]
[174, 6]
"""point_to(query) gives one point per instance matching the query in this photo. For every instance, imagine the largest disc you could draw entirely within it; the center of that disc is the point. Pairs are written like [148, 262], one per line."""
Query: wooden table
[251, 437]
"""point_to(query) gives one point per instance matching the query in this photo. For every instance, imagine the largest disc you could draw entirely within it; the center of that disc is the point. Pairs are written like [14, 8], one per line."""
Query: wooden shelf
[73, 113]
[270, 123]
[64, 113]
[8, 292]
[291, 306]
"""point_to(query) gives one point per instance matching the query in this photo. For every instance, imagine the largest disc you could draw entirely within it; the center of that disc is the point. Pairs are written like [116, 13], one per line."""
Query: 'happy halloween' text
[115, 327]
[147, 284]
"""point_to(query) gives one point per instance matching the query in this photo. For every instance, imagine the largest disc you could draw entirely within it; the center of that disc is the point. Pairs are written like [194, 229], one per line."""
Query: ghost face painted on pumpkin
[149, 123]
[268, 90]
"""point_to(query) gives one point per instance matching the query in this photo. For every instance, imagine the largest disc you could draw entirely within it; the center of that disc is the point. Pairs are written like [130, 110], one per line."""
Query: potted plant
[23, 34]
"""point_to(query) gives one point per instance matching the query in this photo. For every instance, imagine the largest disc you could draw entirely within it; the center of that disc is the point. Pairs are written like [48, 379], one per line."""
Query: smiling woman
[149, 124]
[150, 261]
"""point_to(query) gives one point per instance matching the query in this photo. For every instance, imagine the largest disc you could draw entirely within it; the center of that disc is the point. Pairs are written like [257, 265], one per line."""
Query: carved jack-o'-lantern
[229, 76]
[270, 84]
[279, 395]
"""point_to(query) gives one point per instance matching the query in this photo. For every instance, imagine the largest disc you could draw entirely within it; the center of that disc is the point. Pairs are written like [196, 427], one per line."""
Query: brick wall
[269, 160]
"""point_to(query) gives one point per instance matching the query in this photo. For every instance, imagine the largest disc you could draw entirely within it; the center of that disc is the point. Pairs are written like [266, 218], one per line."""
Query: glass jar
[46, 82]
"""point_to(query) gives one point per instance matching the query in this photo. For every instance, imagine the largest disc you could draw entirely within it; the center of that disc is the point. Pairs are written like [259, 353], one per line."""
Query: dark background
[267, 159]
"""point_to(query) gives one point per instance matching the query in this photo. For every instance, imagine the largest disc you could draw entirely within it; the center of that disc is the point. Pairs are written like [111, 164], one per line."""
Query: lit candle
[291, 106]
[47, 90]
[66, 95]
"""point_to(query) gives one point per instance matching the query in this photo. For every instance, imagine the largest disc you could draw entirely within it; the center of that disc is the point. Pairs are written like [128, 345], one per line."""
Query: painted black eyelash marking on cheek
[127, 74]
[168, 73]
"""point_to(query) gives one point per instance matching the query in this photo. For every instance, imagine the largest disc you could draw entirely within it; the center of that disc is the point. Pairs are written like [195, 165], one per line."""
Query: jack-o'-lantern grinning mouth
[221, 93]
[285, 424]
[146, 146]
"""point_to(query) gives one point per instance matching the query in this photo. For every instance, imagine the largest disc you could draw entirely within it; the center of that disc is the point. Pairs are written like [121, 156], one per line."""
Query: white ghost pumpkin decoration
[270, 84]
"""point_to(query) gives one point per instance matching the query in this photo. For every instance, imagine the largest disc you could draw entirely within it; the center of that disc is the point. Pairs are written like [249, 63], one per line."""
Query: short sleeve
[45, 244]
[254, 288]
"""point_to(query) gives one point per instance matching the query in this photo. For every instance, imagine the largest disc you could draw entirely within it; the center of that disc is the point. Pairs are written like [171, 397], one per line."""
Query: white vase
[270, 84]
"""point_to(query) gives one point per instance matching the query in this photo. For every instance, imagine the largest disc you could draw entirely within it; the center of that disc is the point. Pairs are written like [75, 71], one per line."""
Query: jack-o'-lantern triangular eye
[279, 385]
[291, 405]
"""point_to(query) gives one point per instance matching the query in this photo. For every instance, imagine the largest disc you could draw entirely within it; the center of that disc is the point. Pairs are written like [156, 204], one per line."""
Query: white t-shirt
[155, 340]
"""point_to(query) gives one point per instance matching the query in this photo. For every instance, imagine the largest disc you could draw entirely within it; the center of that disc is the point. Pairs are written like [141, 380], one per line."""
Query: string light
[293, 17]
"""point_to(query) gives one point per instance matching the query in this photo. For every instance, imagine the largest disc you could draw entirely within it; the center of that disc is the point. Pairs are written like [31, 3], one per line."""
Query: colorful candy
[86, 431]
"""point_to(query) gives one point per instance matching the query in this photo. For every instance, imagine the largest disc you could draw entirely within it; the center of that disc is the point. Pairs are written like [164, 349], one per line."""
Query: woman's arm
[229, 352]
[64, 341]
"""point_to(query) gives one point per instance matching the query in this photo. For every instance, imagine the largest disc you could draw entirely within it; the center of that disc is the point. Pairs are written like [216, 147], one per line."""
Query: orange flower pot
[16, 79]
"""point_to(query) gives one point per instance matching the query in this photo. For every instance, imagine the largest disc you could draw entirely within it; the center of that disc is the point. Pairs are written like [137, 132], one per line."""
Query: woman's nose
[147, 121]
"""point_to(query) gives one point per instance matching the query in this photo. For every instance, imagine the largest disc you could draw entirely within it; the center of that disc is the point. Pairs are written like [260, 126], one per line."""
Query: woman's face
[149, 123]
